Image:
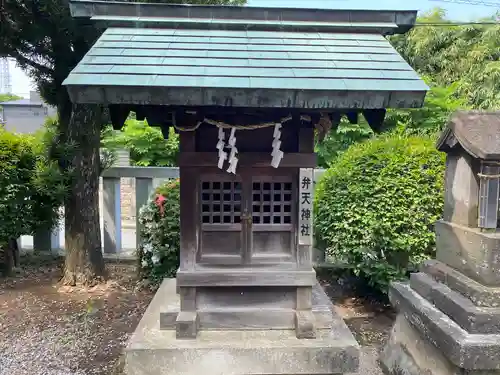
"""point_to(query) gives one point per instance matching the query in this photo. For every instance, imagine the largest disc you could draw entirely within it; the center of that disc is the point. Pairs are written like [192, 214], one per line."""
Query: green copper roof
[274, 58]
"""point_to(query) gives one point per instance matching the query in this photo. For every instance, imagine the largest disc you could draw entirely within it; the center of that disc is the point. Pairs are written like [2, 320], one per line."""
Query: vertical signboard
[306, 188]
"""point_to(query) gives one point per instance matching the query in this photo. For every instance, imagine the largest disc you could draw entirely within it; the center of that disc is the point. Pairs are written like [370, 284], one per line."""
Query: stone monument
[246, 88]
[449, 313]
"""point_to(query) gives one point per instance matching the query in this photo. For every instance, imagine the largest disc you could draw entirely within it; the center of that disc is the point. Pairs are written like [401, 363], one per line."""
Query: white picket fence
[116, 239]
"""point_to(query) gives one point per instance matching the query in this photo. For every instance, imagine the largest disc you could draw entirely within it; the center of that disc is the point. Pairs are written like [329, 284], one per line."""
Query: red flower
[160, 199]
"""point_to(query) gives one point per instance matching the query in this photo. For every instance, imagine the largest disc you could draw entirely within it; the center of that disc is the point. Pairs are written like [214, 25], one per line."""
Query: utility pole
[5, 79]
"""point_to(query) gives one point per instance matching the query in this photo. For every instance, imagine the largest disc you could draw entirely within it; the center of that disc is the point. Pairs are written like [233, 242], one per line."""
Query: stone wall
[127, 197]
[127, 191]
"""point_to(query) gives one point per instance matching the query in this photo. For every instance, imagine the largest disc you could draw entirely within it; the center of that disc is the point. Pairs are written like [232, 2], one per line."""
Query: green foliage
[8, 97]
[159, 254]
[376, 206]
[467, 55]
[17, 162]
[337, 142]
[440, 103]
[146, 144]
[31, 187]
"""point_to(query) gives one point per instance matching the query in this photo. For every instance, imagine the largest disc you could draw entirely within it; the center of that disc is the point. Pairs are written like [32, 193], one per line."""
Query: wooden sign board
[306, 189]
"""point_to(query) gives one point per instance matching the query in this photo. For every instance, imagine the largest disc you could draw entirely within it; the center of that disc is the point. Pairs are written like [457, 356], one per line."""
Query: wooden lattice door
[221, 208]
[247, 219]
[273, 210]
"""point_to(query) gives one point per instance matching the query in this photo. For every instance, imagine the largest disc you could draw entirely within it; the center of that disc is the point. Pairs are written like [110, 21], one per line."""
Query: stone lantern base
[447, 324]
[152, 350]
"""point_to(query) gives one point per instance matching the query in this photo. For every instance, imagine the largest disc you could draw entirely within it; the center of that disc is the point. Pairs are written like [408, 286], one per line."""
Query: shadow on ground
[367, 312]
[46, 329]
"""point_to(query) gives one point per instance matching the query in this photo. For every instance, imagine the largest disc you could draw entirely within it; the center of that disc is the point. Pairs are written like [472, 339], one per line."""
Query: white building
[25, 115]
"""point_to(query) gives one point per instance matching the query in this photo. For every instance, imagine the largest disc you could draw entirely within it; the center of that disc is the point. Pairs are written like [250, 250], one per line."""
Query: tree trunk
[10, 254]
[84, 263]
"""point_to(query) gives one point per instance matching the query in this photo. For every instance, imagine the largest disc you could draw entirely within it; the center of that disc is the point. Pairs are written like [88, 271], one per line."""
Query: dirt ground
[46, 329]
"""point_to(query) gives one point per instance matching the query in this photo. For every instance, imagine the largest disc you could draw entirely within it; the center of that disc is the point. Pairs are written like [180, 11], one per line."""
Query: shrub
[146, 144]
[340, 140]
[376, 206]
[31, 190]
[160, 219]
[17, 162]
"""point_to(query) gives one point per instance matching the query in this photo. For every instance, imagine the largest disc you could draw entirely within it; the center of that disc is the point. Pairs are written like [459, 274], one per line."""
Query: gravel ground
[46, 329]
[50, 330]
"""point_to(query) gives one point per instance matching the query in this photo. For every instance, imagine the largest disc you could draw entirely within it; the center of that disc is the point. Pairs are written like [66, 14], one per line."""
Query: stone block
[462, 310]
[186, 325]
[407, 352]
[479, 294]
[304, 325]
[461, 190]
[151, 350]
[475, 253]
[477, 352]
[269, 309]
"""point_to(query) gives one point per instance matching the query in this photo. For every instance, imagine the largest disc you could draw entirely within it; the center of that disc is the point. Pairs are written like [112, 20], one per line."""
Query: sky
[21, 84]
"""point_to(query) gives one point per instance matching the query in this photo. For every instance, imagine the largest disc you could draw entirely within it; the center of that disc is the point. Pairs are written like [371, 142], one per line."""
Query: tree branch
[25, 61]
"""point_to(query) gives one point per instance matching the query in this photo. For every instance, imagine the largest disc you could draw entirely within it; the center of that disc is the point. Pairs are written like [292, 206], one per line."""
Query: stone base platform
[426, 340]
[278, 312]
[235, 352]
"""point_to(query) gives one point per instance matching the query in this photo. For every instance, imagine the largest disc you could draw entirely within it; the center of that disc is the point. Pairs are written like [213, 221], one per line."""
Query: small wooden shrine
[246, 224]
[247, 89]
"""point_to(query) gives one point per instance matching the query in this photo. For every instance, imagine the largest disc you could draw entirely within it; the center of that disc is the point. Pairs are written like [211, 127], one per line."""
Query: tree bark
[10, 254]
[84, 263]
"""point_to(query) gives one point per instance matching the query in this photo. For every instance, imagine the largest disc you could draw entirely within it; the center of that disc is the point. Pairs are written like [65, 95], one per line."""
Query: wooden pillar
[306, 145]
[189, 202]
[304, 317]
[187, 319]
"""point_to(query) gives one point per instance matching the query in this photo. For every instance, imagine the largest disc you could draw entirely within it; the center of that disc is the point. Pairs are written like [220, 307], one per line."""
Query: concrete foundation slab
[239, 352]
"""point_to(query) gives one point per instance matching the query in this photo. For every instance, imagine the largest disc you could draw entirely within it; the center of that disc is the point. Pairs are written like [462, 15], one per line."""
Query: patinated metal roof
[477, 132]
[244, 62]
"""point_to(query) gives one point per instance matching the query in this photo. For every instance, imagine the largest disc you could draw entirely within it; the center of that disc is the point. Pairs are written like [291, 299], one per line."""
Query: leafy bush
[337, 142]
[17, 162]
[146, 144]
[160, 219]
[440, 102]
[467, 55]
[376, 206]
[31, 190]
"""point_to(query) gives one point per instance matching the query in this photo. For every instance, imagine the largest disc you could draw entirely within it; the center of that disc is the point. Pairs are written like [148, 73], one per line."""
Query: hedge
[31, 190]
[376, 206]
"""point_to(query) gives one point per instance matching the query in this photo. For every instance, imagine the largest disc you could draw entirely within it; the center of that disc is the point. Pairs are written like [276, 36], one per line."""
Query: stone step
[462, 310]
[465, 350]
[480, 294]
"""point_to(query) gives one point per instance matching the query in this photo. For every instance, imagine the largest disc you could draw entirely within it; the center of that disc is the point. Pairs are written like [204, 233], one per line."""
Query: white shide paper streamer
[233, 160]
[277, 154]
